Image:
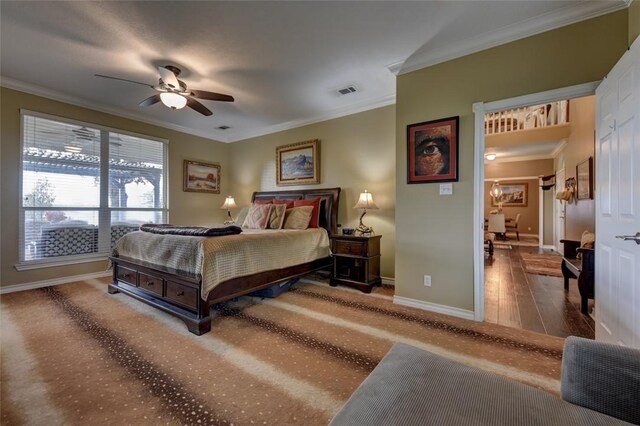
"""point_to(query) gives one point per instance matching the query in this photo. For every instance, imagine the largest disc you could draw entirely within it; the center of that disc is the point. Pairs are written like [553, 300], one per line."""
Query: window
[84, 186]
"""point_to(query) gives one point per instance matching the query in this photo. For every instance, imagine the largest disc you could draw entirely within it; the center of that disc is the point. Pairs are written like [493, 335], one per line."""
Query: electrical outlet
[427, 280]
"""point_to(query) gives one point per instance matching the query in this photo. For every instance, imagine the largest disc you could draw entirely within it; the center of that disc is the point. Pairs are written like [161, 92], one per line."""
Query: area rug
[73, 354]
[542, 264]
[502, 246]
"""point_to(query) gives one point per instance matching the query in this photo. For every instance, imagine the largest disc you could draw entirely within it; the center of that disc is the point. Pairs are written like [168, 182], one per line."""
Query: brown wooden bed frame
[178, 293]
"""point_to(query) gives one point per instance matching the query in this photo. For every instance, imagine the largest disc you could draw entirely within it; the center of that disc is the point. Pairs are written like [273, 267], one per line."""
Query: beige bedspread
[219, 259]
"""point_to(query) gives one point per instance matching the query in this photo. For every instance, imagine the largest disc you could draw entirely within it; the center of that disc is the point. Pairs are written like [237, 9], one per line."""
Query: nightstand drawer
[152, 284]
[187, 296]
[356, 248]
[127, 275]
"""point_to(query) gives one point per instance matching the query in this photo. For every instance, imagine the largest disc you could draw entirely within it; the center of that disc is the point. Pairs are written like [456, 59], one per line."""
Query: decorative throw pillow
[587, 240]
[288, 203]
[276, 218]
[242, 216]
[298, 217]
[257, 216]
[315, 215]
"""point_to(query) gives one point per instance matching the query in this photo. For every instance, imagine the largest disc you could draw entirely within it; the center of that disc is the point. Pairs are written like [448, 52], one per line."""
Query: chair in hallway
[497, 226]
[513, 226]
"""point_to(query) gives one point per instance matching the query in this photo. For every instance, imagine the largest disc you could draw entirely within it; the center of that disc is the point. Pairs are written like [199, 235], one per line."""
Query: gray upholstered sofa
[600, 386]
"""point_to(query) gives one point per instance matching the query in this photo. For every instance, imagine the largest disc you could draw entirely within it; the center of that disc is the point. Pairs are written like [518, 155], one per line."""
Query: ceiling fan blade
[212, 96]
[193, 104]
[169, 78]
[150, 100]
[123, 79]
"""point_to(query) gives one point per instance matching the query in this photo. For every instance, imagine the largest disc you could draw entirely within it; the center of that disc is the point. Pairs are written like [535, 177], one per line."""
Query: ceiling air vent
[347, 90]
[223, 127]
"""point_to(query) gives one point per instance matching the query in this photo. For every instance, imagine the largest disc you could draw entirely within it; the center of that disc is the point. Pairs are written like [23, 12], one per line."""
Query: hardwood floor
[538, 303]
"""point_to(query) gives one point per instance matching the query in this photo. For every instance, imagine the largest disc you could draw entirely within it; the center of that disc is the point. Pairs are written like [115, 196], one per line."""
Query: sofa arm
[570, 248]
[602, 377]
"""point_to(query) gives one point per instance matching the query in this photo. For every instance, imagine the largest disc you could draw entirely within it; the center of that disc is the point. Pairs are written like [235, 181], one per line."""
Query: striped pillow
[257, 217]
[298, 217]
[276, 219]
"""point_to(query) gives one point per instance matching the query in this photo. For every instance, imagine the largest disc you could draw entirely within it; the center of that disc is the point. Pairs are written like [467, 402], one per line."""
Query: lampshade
[365, 201]
[496, 190]
[173, 100]
[229, 203]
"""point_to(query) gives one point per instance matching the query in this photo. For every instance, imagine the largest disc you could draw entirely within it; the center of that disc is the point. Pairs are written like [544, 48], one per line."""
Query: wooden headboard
[328, 205]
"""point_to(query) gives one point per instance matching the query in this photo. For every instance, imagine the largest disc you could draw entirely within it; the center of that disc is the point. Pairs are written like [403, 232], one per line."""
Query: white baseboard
[388, 281]
[548, 247]
[54, 281]
[434, 307]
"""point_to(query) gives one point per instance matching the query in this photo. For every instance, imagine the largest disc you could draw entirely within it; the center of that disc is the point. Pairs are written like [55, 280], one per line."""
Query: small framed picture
[432, 151]
[201, 177]
[298, 163]
[584, 174]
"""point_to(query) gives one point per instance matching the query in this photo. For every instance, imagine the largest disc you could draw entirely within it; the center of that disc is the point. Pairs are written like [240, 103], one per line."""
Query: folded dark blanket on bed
[197, 231]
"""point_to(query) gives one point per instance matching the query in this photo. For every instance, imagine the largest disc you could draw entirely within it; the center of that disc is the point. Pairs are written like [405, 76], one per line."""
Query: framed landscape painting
[298, 163]
[432, 151]
[201, 177]
[514, 194]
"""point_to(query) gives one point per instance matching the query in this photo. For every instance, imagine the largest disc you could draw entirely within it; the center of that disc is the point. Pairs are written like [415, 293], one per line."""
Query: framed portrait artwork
[298, 163]
[201, 177]
[432, 151]
[584, 174]
[514, 194]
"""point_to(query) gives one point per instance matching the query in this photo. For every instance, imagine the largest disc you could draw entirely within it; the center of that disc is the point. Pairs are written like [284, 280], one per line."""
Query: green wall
[185, 207]
[357, 153]
[433, 232]
[634, 21]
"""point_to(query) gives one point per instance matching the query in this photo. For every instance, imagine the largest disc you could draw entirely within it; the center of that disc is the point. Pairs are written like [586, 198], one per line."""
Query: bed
[182, 292]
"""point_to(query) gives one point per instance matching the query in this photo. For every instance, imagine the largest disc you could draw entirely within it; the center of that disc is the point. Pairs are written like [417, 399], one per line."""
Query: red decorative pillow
[261, 202]
[289, 203]
[315, 215]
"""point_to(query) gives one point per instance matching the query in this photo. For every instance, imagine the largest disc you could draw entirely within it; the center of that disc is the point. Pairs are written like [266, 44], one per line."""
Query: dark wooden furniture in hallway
[539, 303]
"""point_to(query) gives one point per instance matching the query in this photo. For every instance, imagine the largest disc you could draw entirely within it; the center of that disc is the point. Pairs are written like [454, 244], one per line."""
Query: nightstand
[356, 261]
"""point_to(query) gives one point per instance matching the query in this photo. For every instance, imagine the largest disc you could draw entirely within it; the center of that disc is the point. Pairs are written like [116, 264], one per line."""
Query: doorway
[511, 260]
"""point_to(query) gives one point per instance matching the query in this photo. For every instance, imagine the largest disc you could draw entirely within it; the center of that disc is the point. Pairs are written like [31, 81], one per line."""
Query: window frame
[103, 210]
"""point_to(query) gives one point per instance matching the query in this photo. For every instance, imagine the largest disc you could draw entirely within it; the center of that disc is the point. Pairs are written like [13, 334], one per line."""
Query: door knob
[635, 238]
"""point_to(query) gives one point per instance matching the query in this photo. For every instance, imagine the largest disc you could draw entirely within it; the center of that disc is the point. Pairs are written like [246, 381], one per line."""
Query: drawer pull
[149, 283]
[180, 293]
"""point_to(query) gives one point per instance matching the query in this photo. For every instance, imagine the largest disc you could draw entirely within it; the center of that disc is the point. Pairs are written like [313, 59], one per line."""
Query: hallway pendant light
[490, 157]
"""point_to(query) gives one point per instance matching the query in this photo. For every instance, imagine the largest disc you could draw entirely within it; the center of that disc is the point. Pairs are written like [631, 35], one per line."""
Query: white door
[560, 212]
[617, 284]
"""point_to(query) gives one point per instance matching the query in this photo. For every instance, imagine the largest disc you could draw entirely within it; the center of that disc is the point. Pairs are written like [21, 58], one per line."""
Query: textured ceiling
[282, 61]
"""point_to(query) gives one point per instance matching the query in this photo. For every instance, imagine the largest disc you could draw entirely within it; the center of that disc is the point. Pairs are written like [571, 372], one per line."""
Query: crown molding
[558, 149]
[336, 113]
[33, 89]
[514, 178]
[539, 24]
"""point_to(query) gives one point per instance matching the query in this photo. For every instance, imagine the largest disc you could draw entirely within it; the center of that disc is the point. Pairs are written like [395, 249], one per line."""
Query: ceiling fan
[174, 93]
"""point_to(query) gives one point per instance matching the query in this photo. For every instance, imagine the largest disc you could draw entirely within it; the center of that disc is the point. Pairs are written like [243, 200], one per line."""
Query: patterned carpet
[73, 354]
[542, 264]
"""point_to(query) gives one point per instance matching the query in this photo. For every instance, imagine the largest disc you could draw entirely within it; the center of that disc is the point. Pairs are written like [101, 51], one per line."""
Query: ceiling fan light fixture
[173, 100]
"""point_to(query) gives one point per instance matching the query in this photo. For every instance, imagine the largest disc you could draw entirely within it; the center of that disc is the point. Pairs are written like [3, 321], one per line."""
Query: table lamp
[365, 202]
[229, 203]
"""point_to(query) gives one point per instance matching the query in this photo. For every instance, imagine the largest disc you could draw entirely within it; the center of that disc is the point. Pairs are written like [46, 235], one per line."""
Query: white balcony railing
[525, 118]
